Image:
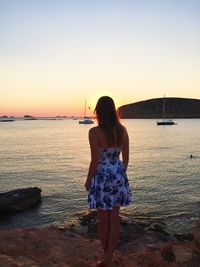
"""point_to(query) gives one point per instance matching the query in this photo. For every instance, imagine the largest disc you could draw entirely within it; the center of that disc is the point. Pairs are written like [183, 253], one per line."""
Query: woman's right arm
[94, 157]
[125, 149]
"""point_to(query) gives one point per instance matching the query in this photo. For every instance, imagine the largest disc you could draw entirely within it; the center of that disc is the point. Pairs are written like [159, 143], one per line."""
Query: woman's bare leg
[103, 217]
[114, 230]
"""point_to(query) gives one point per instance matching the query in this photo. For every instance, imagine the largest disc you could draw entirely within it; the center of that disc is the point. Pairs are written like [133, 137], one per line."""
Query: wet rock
[167, 252]
[80, 229]
[88, 222]
[19, 199]
[182, 237]
[147, 259]
[9, 261]
[88, 217]
[196, 233]
[182, 254]
[79, 263]
[130, 232]
[158, 227]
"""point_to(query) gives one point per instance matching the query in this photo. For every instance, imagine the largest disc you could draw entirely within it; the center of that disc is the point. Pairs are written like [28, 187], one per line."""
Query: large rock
[19, 199]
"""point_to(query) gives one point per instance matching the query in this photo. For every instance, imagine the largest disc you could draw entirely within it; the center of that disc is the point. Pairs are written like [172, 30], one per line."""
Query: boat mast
[85, 108]
[164, 108]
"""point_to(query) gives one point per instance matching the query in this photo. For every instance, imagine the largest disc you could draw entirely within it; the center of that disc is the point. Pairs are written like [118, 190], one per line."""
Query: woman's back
[102, 140]
[109, 185]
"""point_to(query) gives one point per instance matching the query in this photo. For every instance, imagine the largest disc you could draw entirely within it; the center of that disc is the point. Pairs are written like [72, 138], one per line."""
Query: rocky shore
[148, 244]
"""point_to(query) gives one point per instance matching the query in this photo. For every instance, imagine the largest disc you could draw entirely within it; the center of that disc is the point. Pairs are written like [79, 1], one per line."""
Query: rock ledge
[76, 245]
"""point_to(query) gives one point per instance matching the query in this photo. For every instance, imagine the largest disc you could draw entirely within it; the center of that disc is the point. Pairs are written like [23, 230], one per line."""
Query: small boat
[86, 120]
[28, 117]
[164, 120]
[6, 119]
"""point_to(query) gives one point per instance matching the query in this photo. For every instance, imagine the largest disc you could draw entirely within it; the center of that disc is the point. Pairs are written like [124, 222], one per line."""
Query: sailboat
[86, 120]
[164, 121]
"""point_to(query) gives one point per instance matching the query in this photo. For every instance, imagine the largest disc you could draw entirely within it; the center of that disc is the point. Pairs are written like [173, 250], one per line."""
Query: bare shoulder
[125, 134]
[93, 130]
[124, 129]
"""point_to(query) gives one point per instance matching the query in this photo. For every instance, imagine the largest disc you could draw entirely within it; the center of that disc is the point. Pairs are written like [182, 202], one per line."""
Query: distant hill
[153, 108]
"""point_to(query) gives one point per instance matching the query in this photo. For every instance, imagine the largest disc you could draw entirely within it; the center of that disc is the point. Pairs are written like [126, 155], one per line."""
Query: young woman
[107, 183]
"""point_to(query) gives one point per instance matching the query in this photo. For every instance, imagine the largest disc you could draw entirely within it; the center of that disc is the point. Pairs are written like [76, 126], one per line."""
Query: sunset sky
[56, 53]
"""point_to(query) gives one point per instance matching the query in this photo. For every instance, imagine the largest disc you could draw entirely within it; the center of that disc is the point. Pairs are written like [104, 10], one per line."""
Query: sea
[54, 155]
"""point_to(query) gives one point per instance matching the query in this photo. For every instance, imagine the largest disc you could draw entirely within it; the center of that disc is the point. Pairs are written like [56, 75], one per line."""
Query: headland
[153, 108]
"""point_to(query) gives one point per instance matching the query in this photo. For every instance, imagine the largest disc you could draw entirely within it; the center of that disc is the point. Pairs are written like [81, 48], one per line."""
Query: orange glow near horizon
[43, 106]
[55, 54]
[48, 110]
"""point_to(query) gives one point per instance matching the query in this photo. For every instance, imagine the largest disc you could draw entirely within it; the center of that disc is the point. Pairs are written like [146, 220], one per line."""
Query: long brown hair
[108, 120]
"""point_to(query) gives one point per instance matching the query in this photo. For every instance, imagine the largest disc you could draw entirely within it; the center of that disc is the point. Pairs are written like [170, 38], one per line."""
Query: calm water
[54, 155]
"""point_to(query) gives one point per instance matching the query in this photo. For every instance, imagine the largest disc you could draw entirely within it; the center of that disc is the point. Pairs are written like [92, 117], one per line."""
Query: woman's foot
[105, 263]
[100, 264]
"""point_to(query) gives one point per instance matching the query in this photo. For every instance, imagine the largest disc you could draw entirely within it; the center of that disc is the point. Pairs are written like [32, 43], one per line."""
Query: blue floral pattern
[109, 185]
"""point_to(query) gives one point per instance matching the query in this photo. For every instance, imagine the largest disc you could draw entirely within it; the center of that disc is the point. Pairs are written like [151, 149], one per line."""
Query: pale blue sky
[55, 53]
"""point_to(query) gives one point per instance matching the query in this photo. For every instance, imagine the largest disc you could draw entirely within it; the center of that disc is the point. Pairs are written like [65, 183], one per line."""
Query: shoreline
[77, 244]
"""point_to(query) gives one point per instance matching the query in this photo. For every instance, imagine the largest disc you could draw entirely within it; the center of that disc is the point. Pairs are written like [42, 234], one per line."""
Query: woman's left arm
[94, 157]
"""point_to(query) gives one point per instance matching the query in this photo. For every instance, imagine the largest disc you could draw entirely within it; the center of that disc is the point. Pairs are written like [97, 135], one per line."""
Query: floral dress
[109, 185]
